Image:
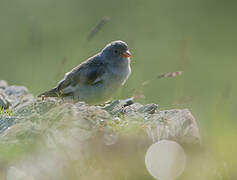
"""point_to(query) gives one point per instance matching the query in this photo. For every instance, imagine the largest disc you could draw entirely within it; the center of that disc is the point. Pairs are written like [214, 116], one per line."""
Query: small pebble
[117, 120]
[102, 122]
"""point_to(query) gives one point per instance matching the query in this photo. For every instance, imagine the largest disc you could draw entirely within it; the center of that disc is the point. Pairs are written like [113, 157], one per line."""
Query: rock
[16, 91]
[117, 106]
[3, 84]
[65, 133]
[148, 108]
[27, 105]
[177, 125]
[6, 122]
[15, 96]
[4, 102]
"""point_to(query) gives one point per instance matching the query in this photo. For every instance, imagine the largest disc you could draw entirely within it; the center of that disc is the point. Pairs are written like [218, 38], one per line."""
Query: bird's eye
[115, 51]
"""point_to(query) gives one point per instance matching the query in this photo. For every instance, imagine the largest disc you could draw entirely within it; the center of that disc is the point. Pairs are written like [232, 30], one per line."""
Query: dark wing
[88, 72]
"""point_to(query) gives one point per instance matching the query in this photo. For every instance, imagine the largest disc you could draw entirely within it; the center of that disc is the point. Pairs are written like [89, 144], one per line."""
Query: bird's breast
[119, 74]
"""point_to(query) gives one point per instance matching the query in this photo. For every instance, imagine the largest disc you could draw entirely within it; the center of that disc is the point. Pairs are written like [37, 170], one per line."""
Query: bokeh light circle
[165, 160]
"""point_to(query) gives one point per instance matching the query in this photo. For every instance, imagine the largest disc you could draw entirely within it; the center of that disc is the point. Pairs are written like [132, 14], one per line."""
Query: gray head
[116, 51]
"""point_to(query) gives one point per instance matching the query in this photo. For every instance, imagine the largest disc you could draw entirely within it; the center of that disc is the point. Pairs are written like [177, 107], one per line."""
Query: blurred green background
[198, 37]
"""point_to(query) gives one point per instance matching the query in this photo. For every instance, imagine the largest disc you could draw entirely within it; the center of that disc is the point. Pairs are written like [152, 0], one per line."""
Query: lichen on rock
[76, 130]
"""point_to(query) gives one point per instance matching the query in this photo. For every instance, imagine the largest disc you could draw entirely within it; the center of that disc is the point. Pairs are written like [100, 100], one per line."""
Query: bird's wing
[89, 72]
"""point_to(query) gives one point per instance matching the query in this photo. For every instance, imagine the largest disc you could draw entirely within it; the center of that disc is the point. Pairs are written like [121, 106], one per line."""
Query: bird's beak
[126, 54]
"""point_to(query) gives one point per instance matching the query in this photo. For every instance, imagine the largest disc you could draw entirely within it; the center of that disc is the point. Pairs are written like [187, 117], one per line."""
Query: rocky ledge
[77, 129]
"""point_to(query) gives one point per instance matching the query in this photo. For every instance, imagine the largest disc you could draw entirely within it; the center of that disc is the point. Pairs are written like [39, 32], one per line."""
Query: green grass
[6, 112]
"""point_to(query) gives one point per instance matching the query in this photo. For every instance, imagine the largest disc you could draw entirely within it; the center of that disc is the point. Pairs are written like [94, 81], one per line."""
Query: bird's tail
[51, 93]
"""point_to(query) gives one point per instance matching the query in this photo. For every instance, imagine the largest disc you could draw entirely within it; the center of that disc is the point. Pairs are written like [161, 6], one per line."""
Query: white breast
[120, 72]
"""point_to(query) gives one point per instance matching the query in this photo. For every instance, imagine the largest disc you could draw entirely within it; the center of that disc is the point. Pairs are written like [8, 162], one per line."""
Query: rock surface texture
[76, 129]
[175, 124]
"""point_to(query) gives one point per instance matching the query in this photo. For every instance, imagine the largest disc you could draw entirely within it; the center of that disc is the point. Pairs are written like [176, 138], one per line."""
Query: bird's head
[116, 51]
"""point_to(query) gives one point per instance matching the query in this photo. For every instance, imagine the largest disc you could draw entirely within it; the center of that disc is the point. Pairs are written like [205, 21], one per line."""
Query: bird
[95, 80]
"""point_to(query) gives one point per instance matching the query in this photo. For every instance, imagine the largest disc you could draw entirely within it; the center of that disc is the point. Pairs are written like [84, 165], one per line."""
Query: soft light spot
[165, 160]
